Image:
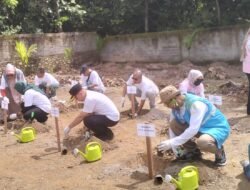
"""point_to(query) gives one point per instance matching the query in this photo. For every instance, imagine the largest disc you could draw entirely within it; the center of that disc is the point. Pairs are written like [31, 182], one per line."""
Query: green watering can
[93, 152]
[27, 134]
[188, 178]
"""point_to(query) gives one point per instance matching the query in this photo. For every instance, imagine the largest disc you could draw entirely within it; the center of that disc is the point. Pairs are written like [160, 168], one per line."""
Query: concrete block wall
[50, 44]
[215, 44]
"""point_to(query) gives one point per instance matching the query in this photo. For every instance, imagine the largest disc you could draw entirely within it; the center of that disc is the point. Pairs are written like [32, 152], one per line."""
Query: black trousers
[100, 124]
[33, 112]
[248, 101]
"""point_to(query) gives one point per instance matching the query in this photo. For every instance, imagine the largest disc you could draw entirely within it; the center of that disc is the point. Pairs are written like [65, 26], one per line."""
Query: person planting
[194, 117]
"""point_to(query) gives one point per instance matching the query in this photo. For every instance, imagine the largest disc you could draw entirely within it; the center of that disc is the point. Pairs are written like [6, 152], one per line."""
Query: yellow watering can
[188, 178]
[93, 152]
[27, 134]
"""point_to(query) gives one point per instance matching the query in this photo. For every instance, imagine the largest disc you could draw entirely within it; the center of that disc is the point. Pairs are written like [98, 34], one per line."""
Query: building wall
[82, 44]
[216, 44]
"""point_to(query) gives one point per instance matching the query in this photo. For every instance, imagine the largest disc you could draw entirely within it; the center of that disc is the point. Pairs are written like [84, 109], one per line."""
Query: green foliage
[10, 30]
[118, 16]
[59, 22]
[68, 54]
[11, 3]
[99, 43]
[189, 39]
[25, 53]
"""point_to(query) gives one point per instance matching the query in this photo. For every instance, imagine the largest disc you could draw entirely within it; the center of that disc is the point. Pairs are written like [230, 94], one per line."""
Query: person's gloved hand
[164, 146]
[133, 116]
[122, 101]
[66, 132]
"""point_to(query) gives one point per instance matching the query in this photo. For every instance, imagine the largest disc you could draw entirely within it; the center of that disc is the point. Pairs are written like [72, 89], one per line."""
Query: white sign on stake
[55, 112]
[217, 100]
[131, 90]
[4, 105]
[145, 130]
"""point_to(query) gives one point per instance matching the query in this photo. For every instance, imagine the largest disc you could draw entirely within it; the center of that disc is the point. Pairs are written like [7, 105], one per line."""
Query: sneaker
[220, 158]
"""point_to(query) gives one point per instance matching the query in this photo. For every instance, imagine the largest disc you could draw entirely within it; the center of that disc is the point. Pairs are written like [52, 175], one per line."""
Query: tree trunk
[58, 27]
[218, 11]
[146, 16]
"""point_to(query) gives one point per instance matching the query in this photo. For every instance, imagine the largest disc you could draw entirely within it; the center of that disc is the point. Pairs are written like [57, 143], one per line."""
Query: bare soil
[39, 165]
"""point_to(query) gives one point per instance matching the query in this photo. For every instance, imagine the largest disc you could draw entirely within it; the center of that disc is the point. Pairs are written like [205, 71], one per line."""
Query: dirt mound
[80, 142]
[154, 114]
[217, 73]
[113, 82]
[240, 125]
[232, 88]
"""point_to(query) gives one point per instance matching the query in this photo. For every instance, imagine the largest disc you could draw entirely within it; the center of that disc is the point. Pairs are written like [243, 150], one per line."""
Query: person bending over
[98, 113]
[36, 104]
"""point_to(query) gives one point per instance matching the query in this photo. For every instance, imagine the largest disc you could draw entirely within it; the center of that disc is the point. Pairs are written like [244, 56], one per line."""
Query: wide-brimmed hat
[167, 93]
[75, 90]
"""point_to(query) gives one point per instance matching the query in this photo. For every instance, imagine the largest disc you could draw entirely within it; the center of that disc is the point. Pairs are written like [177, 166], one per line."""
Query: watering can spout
[83, 155]
[170, 179]
[18, 137]
[77, 151]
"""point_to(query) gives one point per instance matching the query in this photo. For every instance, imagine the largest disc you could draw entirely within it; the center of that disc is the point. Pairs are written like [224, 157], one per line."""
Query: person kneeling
[194, 117]
[35, 104]
[98, 114]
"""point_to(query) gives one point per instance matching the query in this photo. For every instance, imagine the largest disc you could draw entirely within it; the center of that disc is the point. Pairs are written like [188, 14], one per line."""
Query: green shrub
[189, 39]
[25, 53]
[68, 54]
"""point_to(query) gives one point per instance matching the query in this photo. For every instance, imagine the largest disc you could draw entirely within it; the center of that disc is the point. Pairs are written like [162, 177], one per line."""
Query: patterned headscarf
[22, 87]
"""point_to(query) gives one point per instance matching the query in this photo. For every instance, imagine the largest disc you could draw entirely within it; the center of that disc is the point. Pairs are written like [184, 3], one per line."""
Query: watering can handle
[92, 144]
[190, 167]
[28, 128]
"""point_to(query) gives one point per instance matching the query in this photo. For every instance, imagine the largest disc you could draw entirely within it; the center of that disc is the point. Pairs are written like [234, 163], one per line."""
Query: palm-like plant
[25, 53]
[11, 3]
[68, 54]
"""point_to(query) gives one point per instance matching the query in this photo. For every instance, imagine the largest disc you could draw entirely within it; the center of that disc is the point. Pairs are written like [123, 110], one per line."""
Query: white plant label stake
[147, 131]
[55, 113]
[217, 100]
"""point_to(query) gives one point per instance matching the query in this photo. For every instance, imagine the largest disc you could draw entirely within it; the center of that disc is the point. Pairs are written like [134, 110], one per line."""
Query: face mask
[173, 103]
[198, 82]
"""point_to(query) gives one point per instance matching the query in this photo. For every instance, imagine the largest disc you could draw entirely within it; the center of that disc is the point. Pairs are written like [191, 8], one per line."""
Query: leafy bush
[25, 53]
[189, 39]
[68, 54]
[11, 3]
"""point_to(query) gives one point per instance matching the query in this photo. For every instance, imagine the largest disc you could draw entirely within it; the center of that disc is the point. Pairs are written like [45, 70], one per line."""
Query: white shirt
[34, 98]
[198, 111]
[94, 78]
[145, 86]
[48, 79]
[100, 104]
